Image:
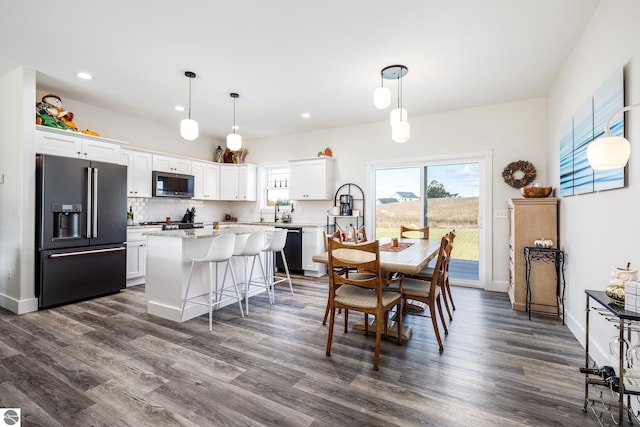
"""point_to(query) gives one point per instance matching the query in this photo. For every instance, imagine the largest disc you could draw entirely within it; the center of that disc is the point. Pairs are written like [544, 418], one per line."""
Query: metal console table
[609, 398]
[553, 255]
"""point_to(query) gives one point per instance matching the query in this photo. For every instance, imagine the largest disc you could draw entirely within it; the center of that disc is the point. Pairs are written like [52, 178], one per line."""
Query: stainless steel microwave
[166, 184]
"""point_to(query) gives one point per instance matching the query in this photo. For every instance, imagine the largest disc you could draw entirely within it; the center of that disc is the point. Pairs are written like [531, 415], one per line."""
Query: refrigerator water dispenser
[66, 220]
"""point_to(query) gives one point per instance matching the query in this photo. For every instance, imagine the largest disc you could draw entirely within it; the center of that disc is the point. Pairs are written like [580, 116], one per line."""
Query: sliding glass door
[444, 195]
[451, 202]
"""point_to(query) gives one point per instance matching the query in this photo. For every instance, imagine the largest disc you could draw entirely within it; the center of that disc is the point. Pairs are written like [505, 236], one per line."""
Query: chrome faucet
[275, 212]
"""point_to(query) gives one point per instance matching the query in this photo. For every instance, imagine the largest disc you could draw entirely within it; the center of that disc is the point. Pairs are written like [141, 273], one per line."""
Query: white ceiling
[286, 57]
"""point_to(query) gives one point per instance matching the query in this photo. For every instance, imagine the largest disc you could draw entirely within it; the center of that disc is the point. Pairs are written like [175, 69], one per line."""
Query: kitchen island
[169, 256]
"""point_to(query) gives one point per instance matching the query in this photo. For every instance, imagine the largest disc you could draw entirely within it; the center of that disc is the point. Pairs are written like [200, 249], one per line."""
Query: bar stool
[252, 249]
[220, 250]
[276, 244]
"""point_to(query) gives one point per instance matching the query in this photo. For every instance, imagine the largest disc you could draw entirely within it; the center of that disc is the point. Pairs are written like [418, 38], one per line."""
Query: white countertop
[277, 224]
[207, 233]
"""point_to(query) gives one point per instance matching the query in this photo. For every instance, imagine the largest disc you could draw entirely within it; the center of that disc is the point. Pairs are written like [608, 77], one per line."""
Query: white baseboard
[18, 306]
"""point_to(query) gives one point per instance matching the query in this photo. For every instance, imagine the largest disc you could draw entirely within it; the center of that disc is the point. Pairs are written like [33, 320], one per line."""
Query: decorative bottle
[130, 216]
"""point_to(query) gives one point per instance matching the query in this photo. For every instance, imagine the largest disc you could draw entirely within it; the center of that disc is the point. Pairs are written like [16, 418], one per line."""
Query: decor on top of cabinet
[49, 112]
[519, 174]
[218, 155]
[535, 191]
[239, 155]
[325, 153]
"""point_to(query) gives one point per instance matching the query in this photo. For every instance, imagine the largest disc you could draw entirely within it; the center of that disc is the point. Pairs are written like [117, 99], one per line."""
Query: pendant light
[398, 119]
[382, 95]
[234, 140]
[610, 151]
[189, 129]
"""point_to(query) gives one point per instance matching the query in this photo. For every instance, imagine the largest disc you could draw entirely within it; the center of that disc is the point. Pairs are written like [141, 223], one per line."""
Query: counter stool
[276, 244]
[220, 250]
[252, 249]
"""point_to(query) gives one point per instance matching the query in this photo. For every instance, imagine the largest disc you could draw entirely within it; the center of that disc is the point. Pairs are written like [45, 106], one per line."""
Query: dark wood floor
[106, 362]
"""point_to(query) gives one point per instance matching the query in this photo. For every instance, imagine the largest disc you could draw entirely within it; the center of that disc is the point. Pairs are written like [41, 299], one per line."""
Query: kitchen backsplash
[159, 208]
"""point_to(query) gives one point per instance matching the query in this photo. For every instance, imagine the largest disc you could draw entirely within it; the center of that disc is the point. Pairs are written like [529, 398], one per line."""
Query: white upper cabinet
[206, 180]
[312, 179]
[71, 144]
[138, 172]
[238, 182]
[166, 163]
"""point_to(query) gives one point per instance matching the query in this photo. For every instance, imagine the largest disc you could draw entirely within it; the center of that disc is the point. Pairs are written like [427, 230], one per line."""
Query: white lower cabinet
[137, 255]
[312, 243]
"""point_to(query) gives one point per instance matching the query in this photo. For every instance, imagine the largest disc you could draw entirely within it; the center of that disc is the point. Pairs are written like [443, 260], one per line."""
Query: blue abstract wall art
[586, 125]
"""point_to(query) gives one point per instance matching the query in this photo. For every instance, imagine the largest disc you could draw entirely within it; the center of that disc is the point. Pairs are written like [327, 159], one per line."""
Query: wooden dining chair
[366, 291]
[427, 273]
[446, 287]
[429, 291]
[336, 235]
[423, 232]
[360, 234]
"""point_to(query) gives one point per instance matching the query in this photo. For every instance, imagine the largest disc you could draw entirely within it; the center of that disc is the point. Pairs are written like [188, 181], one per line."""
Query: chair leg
[211, 297]
[346, 321]
[270, 292]
[326, 312]
[432, 311]
[186, 293]
[332, 320]
[247, 284]
[376, 356]
[286, 269]
[453, 305]
[446, 331]
[446, 302]
[229, 267]
[399, 321]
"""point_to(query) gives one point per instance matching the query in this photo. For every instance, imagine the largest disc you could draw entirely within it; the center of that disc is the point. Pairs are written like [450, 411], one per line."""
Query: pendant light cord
[190, 97]
[234, 115]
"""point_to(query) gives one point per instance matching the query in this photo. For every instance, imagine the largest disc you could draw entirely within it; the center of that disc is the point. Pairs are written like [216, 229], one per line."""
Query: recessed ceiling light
[84, 76]
[178, 108]
[305, 115]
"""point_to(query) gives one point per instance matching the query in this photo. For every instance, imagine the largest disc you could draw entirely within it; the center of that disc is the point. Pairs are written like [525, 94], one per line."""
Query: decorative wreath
[521, 167]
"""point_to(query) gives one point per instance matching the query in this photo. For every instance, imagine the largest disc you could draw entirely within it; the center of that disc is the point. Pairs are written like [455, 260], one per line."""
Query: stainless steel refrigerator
[81, 229]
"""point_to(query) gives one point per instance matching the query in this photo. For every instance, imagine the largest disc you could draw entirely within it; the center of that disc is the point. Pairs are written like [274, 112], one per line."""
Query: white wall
[17, 203]
[513, 131]
[598, 230]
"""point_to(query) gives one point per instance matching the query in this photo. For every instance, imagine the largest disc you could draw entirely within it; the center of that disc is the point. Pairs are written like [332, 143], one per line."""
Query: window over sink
[276, 185]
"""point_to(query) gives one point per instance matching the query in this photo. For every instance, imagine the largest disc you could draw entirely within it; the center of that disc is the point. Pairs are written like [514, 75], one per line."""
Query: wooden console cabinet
[530, 220]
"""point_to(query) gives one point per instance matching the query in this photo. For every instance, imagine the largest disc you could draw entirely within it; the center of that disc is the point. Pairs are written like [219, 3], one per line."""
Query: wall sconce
[400, 127]
[610, 151]
[234, 140]
[189, 129]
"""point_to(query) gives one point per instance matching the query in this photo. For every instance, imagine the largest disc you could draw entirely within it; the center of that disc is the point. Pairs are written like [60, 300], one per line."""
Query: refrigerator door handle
[89, 213]
[94, 218]
[97, 251]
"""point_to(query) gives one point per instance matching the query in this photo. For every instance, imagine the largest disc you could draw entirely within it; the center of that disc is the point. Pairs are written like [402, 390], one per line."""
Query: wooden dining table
[410, 257]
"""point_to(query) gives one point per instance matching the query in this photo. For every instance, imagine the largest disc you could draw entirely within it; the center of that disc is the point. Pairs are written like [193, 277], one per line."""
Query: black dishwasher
[292, 250]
